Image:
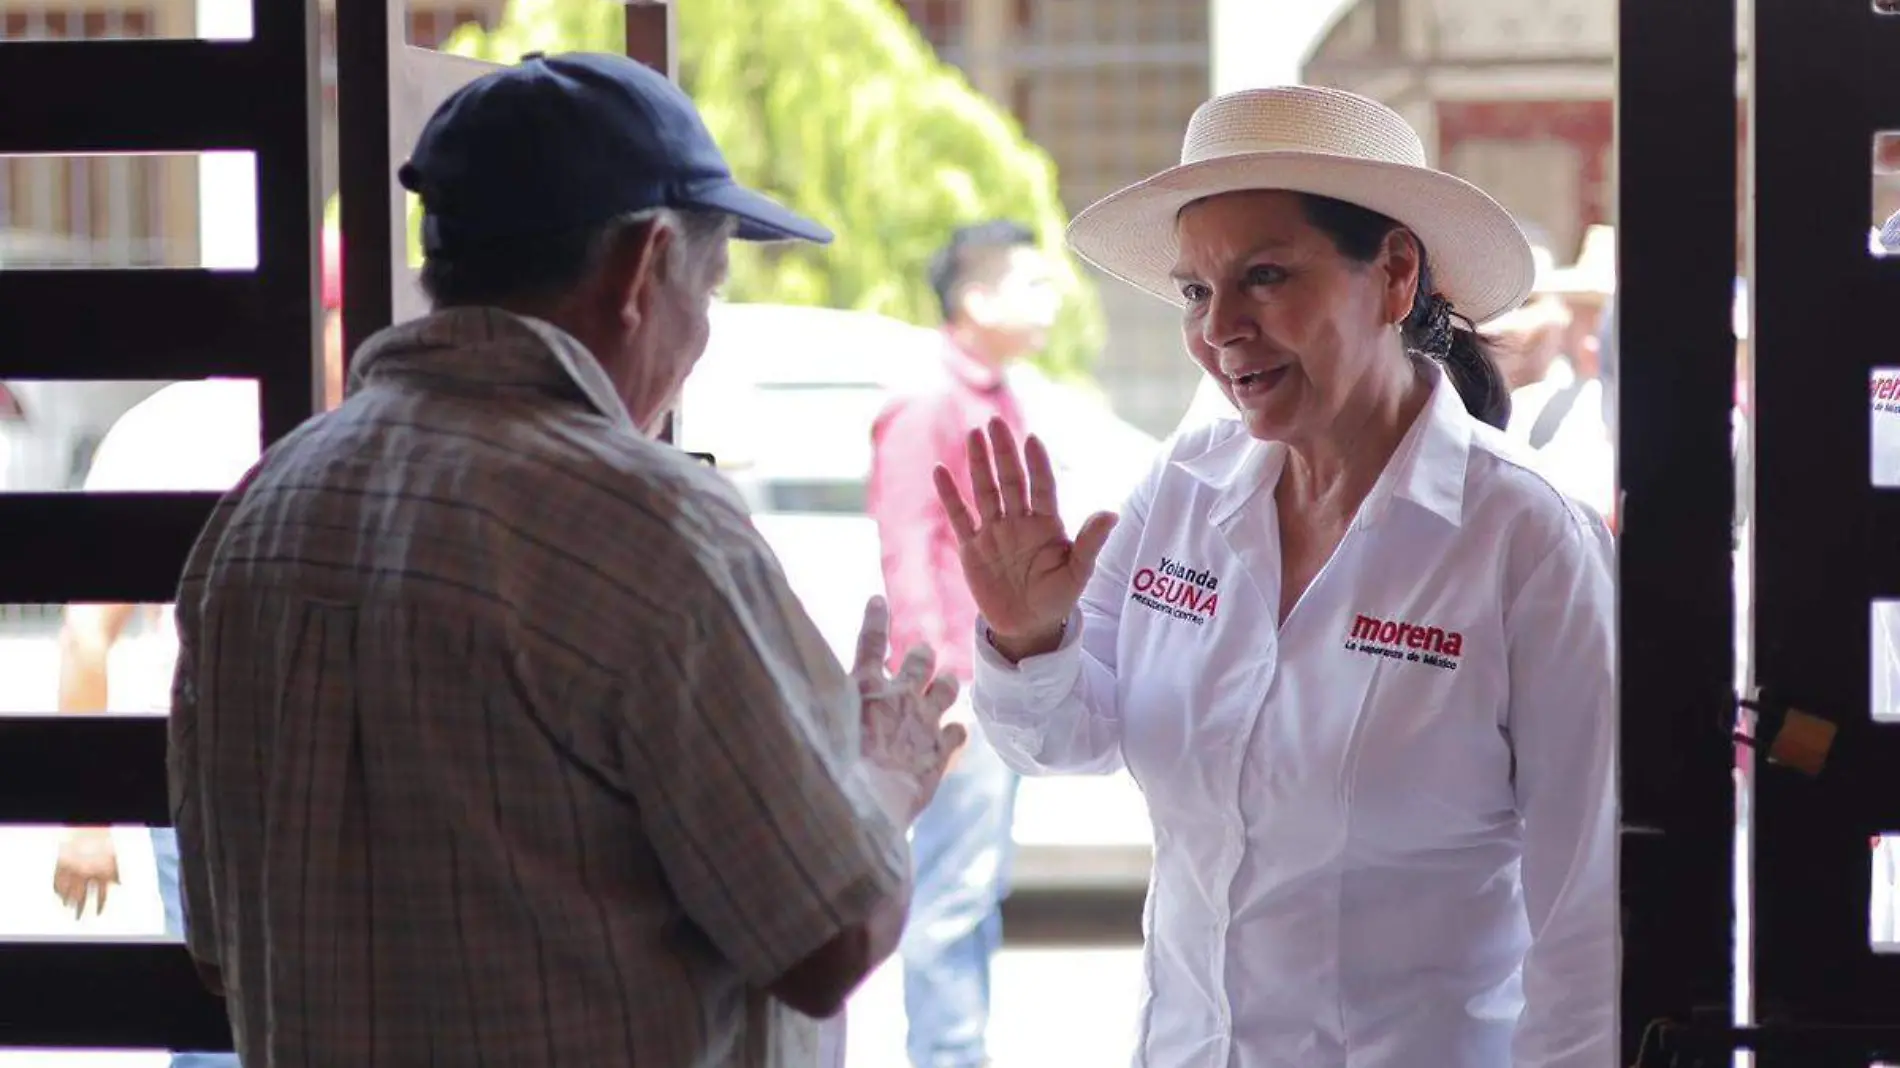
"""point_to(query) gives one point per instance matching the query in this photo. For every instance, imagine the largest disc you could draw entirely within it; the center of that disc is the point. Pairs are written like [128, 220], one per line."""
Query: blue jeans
[961, 849]
[165, 851]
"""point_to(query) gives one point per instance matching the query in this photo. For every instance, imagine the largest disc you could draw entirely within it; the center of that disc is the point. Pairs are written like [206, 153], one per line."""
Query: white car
[784, 400]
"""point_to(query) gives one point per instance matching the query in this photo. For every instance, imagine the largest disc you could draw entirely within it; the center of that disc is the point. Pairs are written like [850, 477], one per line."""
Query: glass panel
[86, 658]
[1883, 238]
[1887, 7]
[1883, 394]
[1883, 922]
[108, 20]
[161, 209]
[127, 436]
[1883, 695]
[84, 1058]
[141, 905]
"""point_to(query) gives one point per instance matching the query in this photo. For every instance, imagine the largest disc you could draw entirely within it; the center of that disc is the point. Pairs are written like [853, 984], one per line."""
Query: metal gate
[1818, 84]
[1823, 86]
[64, 98]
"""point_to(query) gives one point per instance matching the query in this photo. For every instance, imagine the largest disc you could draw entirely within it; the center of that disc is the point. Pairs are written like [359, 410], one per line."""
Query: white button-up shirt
[1385, 830]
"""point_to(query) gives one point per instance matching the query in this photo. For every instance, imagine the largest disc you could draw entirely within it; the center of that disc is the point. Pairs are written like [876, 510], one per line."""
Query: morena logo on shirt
[1412, 642]
[1885, 392]
[1177, 590]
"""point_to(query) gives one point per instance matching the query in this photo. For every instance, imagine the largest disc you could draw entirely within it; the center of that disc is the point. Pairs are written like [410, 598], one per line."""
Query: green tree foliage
[839, 109]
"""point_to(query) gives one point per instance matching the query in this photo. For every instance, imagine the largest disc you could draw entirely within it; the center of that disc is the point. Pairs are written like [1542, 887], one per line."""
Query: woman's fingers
[1042, 477]
[948, 495]
[988, 503]
[1012, 482]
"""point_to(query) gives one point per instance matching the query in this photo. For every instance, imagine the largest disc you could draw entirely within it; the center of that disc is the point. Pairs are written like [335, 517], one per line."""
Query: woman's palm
[1020, 574]
[1024, 572]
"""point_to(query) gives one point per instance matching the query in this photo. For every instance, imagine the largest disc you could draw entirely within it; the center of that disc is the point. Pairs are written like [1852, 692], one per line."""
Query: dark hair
[974, 253]
[1433, 329]
[543, 265]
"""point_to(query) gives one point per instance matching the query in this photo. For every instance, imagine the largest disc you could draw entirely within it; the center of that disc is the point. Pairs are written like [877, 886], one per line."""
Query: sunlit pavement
[1052, 1008]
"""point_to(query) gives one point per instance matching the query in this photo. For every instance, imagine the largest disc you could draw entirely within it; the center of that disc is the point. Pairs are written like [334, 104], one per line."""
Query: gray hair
[698, 232]
[547, 265]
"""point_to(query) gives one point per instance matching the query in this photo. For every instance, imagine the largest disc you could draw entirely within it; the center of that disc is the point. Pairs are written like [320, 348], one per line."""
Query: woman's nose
[1229, 321]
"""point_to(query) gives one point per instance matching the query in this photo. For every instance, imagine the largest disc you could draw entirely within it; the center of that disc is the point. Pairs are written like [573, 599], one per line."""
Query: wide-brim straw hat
[1308, 139]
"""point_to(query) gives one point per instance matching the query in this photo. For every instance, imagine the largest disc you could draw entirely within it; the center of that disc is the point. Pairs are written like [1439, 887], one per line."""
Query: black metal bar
[126, 96]
[140, 325]
[83, 770]
[1676, 129]
[115, 548]
[1852, 1045]
[93, 995]
[365, 169]
[290, 215]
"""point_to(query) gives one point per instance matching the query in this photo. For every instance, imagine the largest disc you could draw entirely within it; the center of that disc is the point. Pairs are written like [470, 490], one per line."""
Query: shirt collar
[967, 369]
[492, 348]
[1427, 468]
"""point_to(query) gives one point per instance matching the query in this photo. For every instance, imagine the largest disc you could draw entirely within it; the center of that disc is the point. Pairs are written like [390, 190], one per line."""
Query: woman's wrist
[1016, 648]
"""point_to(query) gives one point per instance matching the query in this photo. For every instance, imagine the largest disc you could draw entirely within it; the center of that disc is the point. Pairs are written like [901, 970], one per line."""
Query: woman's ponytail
[1435, 330]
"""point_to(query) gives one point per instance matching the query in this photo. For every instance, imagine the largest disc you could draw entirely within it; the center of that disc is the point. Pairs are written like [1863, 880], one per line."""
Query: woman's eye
[1265, 275]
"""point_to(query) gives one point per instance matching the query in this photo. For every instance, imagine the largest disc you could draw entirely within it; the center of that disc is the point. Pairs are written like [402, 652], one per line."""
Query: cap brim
[760, 217]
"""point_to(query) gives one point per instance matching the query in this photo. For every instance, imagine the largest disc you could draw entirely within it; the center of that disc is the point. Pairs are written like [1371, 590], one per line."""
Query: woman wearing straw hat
[1358, 656]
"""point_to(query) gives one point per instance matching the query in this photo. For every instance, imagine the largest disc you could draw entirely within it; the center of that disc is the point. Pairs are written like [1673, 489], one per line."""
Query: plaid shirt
[498, 738]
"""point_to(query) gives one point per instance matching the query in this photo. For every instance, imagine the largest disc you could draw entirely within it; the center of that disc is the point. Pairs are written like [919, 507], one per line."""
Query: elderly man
[497, 735]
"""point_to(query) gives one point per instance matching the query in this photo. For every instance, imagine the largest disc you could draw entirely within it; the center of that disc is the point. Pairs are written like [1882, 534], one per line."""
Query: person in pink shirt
[999, 300]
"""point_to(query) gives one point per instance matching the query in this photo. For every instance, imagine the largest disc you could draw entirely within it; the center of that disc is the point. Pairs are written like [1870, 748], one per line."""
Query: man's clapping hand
[907, 746]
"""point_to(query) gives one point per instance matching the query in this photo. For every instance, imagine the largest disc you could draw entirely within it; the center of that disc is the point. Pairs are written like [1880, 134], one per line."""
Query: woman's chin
[1268, 418]
[1267, 426]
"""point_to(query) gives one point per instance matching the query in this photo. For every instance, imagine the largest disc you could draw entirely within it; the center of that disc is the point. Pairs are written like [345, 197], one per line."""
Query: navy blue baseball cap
[569, 141]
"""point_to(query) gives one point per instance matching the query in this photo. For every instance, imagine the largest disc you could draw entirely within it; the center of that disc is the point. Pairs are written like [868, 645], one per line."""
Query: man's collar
[967, 368]
[1427, 468]
[491, 347]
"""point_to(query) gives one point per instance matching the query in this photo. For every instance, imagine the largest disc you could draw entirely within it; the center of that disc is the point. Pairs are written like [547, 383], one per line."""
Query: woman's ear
[1402, 261]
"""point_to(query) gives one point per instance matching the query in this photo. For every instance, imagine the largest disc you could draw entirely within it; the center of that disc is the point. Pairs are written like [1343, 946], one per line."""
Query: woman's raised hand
[1023, 571]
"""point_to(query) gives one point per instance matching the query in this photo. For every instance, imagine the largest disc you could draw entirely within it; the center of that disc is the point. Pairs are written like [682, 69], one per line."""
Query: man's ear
[637, 268]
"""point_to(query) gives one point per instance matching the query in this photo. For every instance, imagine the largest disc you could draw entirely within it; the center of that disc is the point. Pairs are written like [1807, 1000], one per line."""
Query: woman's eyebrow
[1183, 273]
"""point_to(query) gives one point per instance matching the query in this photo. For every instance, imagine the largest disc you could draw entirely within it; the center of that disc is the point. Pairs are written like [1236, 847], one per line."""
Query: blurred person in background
[1559, 398]
[999, 300]
[197, 436]
[1358, 655]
